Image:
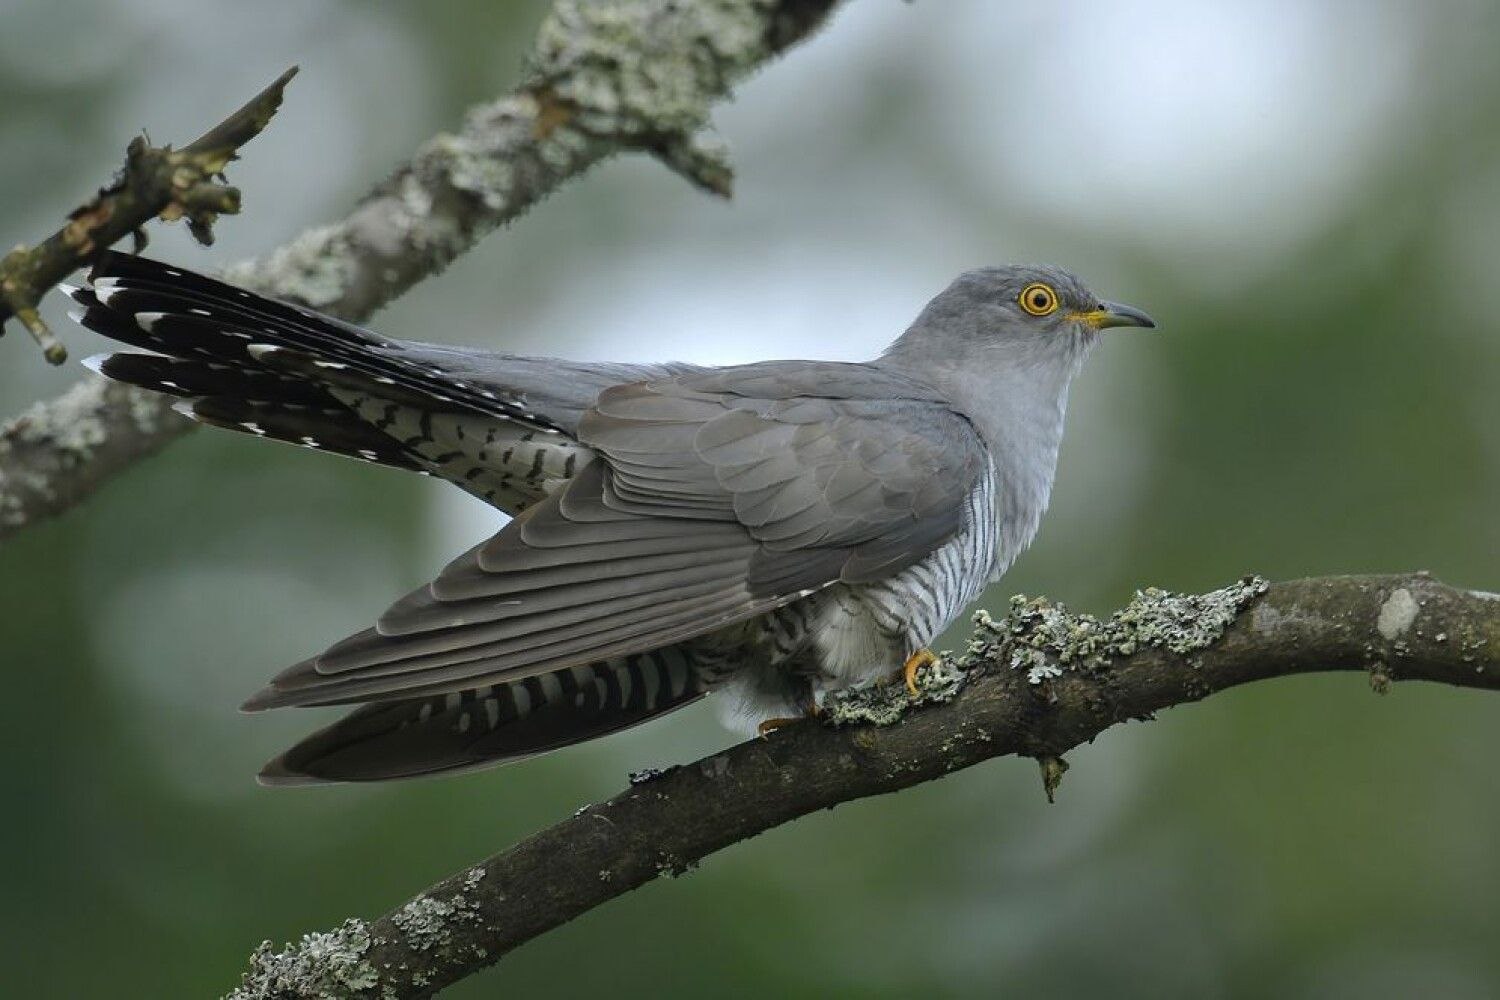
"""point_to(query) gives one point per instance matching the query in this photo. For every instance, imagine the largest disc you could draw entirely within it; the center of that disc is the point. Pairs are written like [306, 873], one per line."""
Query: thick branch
[156, 182]
[1034, 684]
[607, 78]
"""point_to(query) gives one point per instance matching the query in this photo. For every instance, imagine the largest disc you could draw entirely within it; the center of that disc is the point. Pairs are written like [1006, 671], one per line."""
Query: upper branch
[606, 78]
[1034, 684]
[156, 182]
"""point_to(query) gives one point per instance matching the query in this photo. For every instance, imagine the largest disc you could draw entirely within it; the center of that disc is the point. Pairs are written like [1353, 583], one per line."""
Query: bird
[765, 533]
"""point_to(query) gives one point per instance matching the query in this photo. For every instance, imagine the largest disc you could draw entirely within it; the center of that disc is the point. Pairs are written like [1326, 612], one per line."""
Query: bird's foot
[916, 661]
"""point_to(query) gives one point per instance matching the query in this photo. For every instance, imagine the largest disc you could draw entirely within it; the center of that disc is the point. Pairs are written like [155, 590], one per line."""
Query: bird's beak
[1111, 314]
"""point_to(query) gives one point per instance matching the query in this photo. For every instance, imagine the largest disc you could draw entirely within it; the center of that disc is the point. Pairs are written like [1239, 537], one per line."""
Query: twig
[608, 77]
[1039, 683]
[156, 182]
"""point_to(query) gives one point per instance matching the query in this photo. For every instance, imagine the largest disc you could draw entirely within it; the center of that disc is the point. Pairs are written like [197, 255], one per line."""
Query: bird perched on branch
[768, 532]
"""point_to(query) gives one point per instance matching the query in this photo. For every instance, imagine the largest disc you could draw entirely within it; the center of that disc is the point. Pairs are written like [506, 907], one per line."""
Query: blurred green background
[1305, 194]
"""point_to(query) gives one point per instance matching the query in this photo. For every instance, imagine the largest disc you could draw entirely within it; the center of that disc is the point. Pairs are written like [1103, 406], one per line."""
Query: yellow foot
[916, 661]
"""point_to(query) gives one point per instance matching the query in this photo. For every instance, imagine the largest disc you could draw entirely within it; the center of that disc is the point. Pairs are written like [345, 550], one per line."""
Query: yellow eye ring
[1038, 299]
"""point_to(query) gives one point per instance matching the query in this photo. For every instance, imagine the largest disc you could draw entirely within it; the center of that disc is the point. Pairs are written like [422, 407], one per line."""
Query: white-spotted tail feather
[253, 365]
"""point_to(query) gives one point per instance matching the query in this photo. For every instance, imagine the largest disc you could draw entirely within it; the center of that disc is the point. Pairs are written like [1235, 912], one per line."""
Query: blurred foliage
[1310, 213]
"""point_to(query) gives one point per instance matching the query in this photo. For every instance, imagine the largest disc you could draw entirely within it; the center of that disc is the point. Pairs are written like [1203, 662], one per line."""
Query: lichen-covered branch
[1034, 684]
[606, 77]
[156, 182]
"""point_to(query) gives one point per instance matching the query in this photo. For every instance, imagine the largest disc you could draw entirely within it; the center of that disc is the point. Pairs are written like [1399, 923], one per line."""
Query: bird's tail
[248, 363]
[465, 730]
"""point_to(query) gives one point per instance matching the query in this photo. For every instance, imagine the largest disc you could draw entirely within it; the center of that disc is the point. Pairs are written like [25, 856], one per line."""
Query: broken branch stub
[156, 182]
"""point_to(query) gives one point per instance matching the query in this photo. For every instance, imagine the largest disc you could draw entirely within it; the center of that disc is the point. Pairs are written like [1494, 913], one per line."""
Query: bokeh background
[1305, 194]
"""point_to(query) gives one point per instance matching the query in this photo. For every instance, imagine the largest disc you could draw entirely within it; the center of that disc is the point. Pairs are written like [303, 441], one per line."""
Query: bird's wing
[714, 497]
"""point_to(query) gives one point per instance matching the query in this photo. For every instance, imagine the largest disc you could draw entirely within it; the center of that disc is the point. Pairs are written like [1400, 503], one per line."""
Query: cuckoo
[764, 532]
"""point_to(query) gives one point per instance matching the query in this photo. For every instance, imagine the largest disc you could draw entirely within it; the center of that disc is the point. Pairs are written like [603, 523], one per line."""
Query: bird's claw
[916, 661]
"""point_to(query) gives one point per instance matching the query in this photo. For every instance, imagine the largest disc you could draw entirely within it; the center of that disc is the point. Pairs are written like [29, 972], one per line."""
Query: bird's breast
[860, 632]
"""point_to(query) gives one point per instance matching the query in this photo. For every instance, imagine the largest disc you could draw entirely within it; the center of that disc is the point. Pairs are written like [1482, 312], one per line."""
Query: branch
[156, 182]
[1034, 684]
[628, 75]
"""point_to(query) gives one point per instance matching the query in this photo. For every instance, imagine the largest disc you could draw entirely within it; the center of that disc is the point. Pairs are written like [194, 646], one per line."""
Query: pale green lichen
[628, 74]
[70, 423]
[883, 704]
[470, 160]
[646, 69]
[1397, 614]
[1045, 639]
[52, 438]
[317, 268]
[428, 923]
[323, 964]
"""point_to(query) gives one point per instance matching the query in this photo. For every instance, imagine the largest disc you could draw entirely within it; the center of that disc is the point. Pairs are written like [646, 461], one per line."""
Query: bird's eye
[1039, 299]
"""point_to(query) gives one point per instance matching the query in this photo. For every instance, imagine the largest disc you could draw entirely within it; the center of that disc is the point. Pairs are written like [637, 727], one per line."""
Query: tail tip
[105, 288]
[267, 697]
[185, 407]
[278, 774]
[95, 363]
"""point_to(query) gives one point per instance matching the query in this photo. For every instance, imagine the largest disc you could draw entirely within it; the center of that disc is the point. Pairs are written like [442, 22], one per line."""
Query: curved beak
[1112, 314]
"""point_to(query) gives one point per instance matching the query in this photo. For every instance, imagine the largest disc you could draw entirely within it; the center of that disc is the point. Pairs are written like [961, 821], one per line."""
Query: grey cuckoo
[768, 532]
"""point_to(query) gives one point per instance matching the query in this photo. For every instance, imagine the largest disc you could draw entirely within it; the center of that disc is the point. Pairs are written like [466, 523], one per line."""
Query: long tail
[252, 364]
[465, 730]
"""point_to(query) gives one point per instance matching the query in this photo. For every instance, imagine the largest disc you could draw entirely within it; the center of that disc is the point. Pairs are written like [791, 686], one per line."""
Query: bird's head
[1023, 317]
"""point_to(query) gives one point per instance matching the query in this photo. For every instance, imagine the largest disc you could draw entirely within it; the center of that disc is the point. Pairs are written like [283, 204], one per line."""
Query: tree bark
[1034, 684]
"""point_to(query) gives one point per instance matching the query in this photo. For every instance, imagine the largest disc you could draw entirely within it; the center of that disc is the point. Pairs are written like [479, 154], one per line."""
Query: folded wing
[713, 497]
